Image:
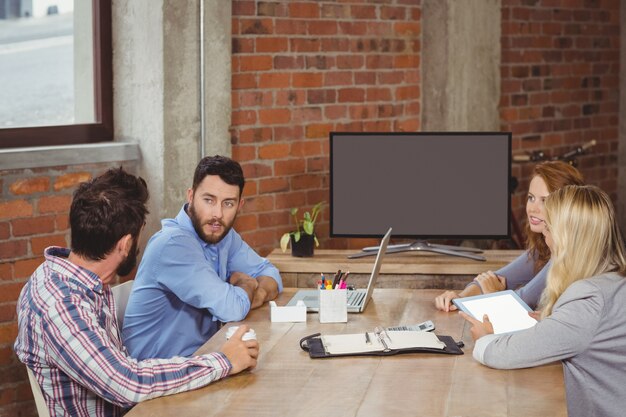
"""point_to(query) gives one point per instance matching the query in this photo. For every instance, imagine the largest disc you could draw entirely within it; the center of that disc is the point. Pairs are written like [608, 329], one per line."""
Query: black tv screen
[423, 185]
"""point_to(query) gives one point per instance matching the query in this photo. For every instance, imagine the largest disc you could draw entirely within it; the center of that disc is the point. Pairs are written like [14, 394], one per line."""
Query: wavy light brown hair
[587, 239]
[556, 175]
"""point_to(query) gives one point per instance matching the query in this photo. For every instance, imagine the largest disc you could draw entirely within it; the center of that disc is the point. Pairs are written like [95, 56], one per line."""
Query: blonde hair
[556, 174]
[586, 239]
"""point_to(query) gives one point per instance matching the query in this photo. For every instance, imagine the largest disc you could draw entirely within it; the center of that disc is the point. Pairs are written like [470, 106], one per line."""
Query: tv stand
[424, 246]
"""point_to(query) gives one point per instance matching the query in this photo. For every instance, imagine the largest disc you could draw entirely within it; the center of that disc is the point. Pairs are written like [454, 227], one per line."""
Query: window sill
[49, 156]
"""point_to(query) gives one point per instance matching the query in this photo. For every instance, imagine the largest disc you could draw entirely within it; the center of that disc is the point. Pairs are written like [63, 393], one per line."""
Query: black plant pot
[304, 247]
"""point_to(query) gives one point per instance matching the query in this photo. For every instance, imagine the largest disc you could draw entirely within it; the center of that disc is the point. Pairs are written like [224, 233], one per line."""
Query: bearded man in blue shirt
[197, 271]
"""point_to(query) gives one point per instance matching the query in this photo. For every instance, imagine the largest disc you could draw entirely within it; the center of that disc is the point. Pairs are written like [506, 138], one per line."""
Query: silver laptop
[357, 299]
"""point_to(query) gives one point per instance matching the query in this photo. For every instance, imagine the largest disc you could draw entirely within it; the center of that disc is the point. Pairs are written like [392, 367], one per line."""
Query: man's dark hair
[104, 210]
[228, 170]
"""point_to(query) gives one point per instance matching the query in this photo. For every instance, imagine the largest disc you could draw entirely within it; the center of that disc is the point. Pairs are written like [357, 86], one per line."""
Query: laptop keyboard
[355, 298]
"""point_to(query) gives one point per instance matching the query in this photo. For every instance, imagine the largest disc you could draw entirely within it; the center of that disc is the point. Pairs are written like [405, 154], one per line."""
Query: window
[55, 72]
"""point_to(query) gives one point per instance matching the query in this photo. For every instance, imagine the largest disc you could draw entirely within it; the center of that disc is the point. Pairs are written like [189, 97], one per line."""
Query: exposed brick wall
[303, 69]
[300, 70]
[560, 84]
[33, 215]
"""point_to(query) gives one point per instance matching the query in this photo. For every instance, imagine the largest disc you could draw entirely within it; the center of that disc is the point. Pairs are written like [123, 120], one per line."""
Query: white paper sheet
[356, 343]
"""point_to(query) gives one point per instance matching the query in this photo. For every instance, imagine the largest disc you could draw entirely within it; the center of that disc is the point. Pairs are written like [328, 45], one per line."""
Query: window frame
[102, 129]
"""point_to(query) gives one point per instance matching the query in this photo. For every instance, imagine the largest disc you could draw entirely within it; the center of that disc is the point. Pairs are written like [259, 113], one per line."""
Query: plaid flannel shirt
[70, 339]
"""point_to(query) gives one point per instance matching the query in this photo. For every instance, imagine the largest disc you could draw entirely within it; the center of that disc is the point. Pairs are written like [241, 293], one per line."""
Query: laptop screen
[379, 261]
[311, 296]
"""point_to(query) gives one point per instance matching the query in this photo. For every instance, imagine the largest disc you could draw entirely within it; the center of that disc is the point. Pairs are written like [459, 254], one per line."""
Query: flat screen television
[425, 185]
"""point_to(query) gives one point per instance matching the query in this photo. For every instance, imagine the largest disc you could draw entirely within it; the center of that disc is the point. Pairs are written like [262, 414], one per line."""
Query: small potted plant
[303, 239]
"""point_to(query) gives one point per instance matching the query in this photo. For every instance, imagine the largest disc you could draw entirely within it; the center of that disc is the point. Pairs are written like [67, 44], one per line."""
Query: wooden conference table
[288, 383]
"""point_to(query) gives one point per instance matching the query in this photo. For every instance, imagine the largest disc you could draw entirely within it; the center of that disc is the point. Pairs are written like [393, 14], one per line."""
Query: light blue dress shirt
[181, 290]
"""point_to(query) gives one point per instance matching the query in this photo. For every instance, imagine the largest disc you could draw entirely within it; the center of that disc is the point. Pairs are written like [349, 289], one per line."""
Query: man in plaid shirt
[68, 334]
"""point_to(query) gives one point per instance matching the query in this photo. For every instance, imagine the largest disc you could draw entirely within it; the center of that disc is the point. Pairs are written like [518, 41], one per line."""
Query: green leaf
[294, 211]
[316, 210]
[317, 207]
[317, 243]
[308, 227]
[284, 241]
[296, 236]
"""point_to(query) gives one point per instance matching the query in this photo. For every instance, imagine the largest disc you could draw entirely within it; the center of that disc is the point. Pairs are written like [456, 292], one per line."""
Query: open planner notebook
[379, 342]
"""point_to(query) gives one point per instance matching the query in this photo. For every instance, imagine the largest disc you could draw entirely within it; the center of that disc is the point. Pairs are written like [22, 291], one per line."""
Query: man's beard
[130, 262]
[197, 225]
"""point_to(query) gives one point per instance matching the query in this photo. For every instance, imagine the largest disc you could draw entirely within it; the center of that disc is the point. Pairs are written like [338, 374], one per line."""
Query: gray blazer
[587, 332]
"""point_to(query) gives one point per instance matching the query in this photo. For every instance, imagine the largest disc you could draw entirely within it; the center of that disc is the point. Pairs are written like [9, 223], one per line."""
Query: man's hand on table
[241, 354]
[245, 282]
[266, 291]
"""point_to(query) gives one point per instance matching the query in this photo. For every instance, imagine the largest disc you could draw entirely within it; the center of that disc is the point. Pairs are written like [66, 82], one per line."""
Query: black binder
[314, 346]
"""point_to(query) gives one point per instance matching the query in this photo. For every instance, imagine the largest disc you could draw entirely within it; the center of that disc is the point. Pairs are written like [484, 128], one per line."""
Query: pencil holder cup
[333, 306]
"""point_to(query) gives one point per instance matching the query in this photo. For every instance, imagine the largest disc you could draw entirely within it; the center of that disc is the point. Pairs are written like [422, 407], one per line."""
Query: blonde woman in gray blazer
[583, 317]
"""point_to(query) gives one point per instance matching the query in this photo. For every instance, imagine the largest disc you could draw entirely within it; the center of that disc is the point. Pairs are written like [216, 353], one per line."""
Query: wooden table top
[288, 383]
[329, 260]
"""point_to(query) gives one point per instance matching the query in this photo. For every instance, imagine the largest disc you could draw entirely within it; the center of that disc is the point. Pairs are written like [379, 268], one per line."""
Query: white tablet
[506, 310]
